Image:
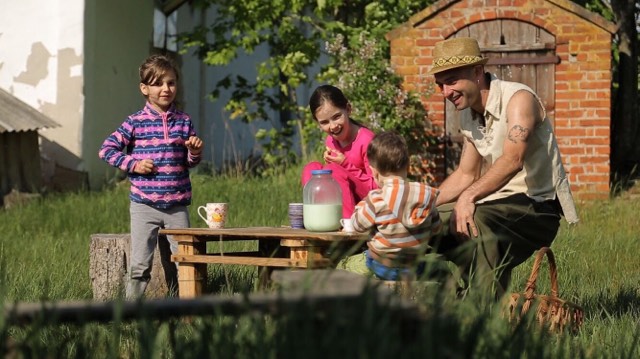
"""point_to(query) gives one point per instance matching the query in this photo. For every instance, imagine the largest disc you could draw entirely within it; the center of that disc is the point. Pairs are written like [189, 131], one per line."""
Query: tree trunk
[108, 265]
[625, 129]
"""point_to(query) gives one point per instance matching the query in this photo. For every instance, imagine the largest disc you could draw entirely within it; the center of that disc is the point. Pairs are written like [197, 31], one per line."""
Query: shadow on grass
[229, 279]
[625, 181]
[604, 304]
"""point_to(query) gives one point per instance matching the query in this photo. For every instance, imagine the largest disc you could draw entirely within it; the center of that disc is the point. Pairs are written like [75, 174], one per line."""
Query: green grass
[44, 254]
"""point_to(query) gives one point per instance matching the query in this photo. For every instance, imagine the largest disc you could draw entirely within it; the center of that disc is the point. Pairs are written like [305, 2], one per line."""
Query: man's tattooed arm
[518, 133]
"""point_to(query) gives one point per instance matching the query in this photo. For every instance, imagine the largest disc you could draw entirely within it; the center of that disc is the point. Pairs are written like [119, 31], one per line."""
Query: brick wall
[583, 76]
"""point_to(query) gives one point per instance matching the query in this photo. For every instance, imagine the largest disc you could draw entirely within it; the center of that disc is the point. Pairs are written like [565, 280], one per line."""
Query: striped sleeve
[113, 148]
[364, 216]
[409, 220]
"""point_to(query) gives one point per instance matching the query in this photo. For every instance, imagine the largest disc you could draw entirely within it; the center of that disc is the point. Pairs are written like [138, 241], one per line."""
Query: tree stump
[108, 266]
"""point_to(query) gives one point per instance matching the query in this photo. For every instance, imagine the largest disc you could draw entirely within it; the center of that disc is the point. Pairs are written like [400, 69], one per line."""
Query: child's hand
[144, 167]
[194, 145]
[333, 156]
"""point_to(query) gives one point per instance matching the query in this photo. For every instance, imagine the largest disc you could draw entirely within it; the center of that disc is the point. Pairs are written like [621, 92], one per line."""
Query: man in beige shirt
[505, 199]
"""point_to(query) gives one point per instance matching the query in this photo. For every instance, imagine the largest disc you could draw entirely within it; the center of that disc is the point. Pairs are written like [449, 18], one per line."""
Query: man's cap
[456, 52]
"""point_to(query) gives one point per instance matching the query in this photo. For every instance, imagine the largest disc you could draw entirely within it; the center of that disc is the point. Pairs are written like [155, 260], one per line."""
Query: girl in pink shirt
[346, 147]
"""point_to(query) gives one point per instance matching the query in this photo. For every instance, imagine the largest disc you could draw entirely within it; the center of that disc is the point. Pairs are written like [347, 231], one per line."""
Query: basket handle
[553, 272]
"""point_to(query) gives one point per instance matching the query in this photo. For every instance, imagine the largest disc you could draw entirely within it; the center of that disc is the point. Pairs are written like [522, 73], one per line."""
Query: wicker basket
[550, 311]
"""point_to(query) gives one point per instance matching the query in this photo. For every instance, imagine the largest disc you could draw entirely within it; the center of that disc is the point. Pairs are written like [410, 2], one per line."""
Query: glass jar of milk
[322, 203]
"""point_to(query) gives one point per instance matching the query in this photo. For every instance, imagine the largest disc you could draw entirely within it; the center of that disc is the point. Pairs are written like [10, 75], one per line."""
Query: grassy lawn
[44, 255]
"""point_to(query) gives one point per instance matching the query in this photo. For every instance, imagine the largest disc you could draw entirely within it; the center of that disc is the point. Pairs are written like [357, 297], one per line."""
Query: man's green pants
[510, 230]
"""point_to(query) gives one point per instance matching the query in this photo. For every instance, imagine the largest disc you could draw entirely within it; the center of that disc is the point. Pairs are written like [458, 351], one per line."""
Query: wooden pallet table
[278, 247]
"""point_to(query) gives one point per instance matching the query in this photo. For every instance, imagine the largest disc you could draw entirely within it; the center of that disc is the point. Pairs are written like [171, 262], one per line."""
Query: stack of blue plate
[295, 215]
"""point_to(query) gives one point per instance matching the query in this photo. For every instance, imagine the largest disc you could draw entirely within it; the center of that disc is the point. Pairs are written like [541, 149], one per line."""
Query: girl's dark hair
[154, 67]
[388, 153]
[326, 93]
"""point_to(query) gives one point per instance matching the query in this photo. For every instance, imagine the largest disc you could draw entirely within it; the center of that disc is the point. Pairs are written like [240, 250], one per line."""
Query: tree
[362, 70]
[243, 26]
[294, 32]
[625, 108]
[625, 129]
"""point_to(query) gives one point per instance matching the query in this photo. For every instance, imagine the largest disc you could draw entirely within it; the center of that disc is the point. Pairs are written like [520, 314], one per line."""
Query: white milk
[322, 217]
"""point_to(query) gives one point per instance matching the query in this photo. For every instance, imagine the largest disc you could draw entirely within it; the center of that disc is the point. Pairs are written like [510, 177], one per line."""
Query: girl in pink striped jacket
[155, 146]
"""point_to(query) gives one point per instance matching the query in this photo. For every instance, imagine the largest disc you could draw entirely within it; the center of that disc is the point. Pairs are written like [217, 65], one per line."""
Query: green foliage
[283, 27]
[292, 31]
[362, 70]
[600, 7]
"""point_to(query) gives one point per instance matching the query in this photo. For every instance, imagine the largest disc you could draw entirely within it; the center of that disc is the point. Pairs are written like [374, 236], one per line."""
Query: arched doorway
[518, 51]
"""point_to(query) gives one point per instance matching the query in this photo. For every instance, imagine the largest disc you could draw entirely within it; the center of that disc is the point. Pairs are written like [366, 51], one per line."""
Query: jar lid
[321, 172]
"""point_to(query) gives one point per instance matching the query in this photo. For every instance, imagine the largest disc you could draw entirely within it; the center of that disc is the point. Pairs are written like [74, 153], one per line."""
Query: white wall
[118, 37]
[41, 56]
[76, 61]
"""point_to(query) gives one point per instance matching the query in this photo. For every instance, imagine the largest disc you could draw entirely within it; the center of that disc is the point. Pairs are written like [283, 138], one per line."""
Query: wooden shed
[556, 47]
[19, 147]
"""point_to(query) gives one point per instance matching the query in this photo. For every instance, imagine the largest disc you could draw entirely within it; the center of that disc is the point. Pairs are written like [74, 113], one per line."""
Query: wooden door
[517, 51]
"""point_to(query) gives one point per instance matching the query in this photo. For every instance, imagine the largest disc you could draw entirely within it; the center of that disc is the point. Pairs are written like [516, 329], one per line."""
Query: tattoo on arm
[518, 133]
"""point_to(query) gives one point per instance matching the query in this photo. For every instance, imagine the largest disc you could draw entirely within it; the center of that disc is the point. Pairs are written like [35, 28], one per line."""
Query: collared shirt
[543, 176]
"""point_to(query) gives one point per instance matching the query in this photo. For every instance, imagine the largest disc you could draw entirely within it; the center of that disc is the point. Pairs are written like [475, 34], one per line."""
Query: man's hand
[144, 167]
[462, 224]
[194, 145]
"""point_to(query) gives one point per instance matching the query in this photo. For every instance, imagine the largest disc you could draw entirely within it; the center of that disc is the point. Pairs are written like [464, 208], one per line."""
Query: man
[504, 200]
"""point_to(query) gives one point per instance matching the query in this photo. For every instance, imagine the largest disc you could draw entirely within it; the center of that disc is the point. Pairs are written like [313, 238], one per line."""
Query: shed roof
[441, 5]
[169, 6]
[15, 115]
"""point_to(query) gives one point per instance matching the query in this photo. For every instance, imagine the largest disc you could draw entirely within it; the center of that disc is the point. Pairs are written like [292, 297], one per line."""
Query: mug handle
[204, 218]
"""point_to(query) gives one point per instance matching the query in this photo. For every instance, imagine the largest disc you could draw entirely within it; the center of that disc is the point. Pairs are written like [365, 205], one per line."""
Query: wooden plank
[238, 254]
[514, 73]
[274, 246]
[546, 89]
[31, 175]
[241, 260]
[191, 275]
[13, 164]
[82, 312]
[486, 32]
[5, 184]
[464, 32]
[517, 33]
[260, 233]
[294, 243]
[518, 48]
[546, 74]
[524, 60]
[319, 290]
[313, 257]
[181, 238]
